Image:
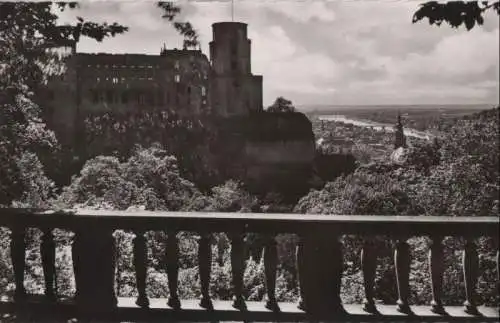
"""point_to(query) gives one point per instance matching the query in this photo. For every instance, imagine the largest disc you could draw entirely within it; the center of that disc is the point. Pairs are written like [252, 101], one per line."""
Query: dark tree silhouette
[456, 13]
[281, 105]
[27, 30]
[170, 11]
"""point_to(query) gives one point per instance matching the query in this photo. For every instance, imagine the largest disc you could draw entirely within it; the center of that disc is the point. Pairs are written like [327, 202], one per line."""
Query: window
[203, 91]
[142, 98]
[98, 79]
[95, 96]
[177, 65]
[115, 80]
[160, 98]
[234, 48]
[109, 96]
[150, 99]
[177, 78]
[125, 97]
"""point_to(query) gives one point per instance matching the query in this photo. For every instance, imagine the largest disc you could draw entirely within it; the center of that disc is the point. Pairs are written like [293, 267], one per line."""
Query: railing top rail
[216, 221]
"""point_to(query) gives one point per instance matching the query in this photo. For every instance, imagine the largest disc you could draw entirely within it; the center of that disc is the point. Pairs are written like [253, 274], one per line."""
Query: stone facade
[94, 83]
[235, 90]
[184, 81]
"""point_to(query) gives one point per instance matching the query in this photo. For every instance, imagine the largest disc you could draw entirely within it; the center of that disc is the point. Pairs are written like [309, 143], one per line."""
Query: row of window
[123, 66]
[130, 97]
[150, 98]
[177, 66]
[116, 80]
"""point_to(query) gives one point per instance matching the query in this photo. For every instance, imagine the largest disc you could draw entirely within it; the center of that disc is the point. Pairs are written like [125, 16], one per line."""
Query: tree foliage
[189, 140]
[456, 13]
[27, 31]
[170, 11]
[281, 105]
[150, 178]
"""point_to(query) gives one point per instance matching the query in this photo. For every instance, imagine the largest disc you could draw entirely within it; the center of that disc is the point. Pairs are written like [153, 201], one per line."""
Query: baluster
[270, 266]
[140, 259]
[337, 261]
[436, 270]
[301, 273]
[237, 268]
[18, 253]
[205, 262]
[470, 263]
[497, 245]
[112, 269]
[369, 266]
[402, 264]
[75, 246]
[173, 270]
[498, 270]
[48, 253]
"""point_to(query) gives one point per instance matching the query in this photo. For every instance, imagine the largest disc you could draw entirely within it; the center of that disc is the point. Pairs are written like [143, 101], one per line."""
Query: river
[375, 125]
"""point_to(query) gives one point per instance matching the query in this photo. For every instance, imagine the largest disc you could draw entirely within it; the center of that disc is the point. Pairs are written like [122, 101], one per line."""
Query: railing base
[35, 309]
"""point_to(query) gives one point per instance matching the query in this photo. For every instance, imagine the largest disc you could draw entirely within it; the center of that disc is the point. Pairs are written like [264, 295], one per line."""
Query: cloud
[329, 52]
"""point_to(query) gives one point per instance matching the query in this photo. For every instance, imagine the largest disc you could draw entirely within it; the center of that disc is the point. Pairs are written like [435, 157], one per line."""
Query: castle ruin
[271, 146]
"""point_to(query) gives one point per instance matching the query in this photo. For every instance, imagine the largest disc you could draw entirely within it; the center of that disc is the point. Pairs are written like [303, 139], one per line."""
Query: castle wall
[292, 152]
[95, 83]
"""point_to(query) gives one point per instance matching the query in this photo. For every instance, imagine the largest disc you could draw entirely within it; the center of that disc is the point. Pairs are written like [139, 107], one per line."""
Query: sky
[313, 52]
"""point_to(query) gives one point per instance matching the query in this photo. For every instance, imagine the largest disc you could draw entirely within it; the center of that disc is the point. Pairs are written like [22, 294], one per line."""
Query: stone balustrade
[319, 264]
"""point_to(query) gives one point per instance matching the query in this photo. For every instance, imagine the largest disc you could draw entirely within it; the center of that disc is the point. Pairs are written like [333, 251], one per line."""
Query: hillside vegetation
[456, 177]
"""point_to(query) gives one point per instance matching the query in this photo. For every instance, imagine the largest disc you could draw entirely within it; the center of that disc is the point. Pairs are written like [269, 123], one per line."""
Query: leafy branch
[456, 13]
[170, 11]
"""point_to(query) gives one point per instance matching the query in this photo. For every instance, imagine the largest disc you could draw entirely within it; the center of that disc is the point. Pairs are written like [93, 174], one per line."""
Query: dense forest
[457, 176]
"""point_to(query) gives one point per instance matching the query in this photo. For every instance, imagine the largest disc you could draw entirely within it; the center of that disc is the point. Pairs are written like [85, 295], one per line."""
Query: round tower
[235, 91]
[230, 48]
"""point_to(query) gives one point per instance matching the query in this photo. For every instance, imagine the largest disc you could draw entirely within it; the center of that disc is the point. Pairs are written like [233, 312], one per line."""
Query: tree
[27, 32]
[149, 178]
[187, 139]
[281, 105]
[170, 11]
[456, 13]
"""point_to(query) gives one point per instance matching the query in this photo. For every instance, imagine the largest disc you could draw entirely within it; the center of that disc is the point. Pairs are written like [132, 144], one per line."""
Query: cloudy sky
[328, 52]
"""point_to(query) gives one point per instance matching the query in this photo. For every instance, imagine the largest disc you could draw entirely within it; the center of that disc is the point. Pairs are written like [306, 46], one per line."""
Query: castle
[186, 82]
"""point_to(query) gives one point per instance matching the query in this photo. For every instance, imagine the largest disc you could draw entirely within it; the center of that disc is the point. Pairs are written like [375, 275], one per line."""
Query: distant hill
[326, 109]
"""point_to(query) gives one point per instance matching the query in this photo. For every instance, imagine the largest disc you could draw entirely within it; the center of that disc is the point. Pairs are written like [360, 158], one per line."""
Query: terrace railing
[319, 264]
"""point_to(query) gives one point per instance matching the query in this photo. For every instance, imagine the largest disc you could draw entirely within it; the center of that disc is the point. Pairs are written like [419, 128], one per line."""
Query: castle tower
[400, 139]
[235, 91]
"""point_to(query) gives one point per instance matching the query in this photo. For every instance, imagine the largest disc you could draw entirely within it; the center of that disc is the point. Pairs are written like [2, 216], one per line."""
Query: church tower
[235, 91]
[400, 139]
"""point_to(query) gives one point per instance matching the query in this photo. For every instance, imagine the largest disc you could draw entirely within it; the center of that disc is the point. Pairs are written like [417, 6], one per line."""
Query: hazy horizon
[333, 107]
